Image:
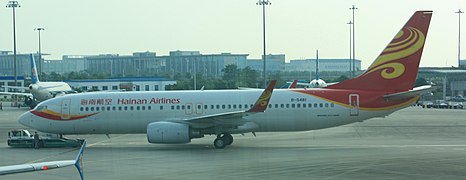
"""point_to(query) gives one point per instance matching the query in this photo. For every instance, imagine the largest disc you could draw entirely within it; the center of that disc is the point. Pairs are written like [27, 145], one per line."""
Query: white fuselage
[46, 90]
[131, 112]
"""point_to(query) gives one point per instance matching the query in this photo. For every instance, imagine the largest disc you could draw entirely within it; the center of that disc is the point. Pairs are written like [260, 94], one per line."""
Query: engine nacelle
[170, 133]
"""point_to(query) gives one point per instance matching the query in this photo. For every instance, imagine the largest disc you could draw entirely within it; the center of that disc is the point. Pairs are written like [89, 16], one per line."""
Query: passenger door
[354, 104]
[65, 109]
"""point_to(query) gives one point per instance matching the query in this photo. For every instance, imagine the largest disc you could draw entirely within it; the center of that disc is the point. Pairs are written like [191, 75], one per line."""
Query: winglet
[263, 101]
[79, 161]
[294, 84]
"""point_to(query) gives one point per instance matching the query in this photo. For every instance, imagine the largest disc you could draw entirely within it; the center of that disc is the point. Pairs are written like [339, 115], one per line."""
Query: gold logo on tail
[397, 49]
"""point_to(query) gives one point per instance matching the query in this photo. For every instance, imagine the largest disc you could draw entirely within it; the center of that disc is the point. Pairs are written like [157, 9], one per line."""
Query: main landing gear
[223, 140]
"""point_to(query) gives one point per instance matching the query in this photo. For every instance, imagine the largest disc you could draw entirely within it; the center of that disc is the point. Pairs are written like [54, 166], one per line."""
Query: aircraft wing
[17, 94]
[231, 118]
[17, 87]
[43, 166]
[411, 93]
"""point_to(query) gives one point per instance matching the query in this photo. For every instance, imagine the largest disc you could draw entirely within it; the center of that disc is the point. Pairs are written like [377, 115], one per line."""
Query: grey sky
[294, 27]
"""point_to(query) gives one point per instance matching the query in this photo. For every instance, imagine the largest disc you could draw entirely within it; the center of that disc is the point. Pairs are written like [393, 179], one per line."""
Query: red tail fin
[263, 101]
[396, 67]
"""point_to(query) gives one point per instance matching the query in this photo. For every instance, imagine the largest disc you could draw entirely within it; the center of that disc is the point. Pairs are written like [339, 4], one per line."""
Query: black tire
[228, 139]
[219, 143]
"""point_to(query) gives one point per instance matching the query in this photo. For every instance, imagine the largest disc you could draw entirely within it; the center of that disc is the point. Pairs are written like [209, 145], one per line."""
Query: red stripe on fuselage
[58, 118]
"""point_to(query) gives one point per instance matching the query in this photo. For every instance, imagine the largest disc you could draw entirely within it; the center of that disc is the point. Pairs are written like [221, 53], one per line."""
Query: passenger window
[143, 108]
[212, 107]
[229, 106]
[315, 105]
[81, 109]
[326, 105]
[321, 105]
[188, 107]
[92, 108]
[126, 108]
[218, 106]
[182, 107]
[282, 105]
[304, 105]
[199, 106]
[178, 107]
[119, 108]
[332, 105]
[234, 106]
[161, 107]
[138, 108]
[270, 106]
[173, 107]
[287, 105]
[298, 105]
[114, 108]
[240, 106]
[276, 105]
[293, 105]
[205, 106]
[131, 108]
[149, 107]
[223, 106]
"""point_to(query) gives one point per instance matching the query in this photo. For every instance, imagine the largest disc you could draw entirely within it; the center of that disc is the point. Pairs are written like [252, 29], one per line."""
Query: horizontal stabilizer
[411, 93]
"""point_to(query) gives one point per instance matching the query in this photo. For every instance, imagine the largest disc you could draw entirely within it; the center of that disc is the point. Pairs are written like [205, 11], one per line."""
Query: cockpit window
[40, 108]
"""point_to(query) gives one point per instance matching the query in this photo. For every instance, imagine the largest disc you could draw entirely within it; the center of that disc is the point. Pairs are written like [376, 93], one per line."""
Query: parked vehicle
[23, 139]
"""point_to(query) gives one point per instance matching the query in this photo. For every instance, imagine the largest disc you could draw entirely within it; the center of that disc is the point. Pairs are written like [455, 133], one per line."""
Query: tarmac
[413, 143]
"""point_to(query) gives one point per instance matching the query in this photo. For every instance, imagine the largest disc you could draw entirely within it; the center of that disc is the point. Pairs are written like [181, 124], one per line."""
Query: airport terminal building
[177, 62]
[122, 84]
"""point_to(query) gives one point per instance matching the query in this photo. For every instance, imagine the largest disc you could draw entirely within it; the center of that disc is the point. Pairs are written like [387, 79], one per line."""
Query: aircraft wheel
[219, 143]
[228, 139]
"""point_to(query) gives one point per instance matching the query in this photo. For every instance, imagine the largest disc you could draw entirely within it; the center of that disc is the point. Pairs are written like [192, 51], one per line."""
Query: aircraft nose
[25, 119]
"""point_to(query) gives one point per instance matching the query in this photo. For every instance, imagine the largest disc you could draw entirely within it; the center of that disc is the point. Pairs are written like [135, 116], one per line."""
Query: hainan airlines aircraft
[40, 91]
[179, 116]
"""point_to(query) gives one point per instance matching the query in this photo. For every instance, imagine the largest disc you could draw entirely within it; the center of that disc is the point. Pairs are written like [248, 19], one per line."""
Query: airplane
[315, 83]
[174, 117]
[40, 91]
[43, 166]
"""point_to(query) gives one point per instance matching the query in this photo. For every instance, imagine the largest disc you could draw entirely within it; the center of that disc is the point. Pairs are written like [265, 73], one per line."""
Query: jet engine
[34, 87]
[171, 133]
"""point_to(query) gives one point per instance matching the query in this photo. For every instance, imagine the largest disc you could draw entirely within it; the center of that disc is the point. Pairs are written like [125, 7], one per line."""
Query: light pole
[459, 35]
[14, 5]
[354, 42]
[40, 52]
[263, 3]
[350, 25]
